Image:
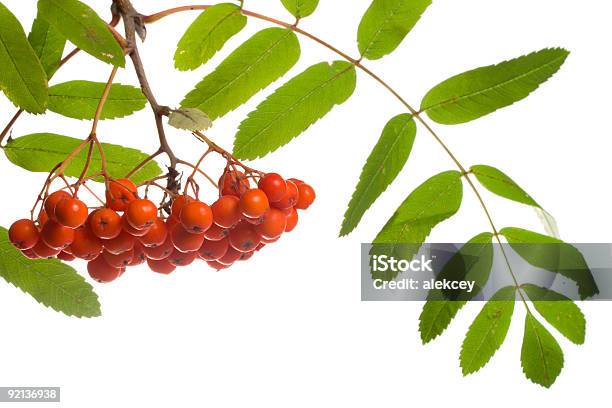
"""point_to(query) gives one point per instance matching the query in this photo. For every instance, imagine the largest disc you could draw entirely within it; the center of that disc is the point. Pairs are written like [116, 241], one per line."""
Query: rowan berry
[178, 204]
[52, 200]
[156, 235]
[120, 193]
[65, 256]
[196, 217]
[141, 213]
[184, 240]
[213, 250]
[178, 258]
[233, 182]
[101, 271]
[226, 212]
[86, 244]
[30, 254]
[274, 186]
[217, 265]
[216, 233]
[254, 203]
[135, 232]
[71, 212]
[230, 257]
[162, 266]
[273, 225]
[290, 197]
[139, 255]
[292, 219]
[42, 217]
[23, 234]
[121, 243]
[306, 196]
[56, 235]
[160, 252]
[118, 261]
[105, 223]
[244, 238]
[246, 255]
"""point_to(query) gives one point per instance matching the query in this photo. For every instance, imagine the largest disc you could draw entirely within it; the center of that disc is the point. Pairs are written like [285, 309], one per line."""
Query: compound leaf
[257, 63]
[434, 201]
[22, 77]
[488, 331]
[477, 93]
[385, 25]
[189, 119]
[563, 314]
[382, 167]
[472, 262]
[49, 281]
[80, 24]
[541, 355]
[40, 152]
[80, 99]
[300, 8]
[294, 107]
[48, 44]
[553, 255]
[499, 183]
[207, 35]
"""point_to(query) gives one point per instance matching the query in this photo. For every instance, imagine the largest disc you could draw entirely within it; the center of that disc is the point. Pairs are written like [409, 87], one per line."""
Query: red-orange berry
[162, 266]
[139, 255]
[231, 256]
[23, 234]
[292, 220]
[196, 217]
[178, 258]
[178, 204]
[42, 217]
[233, 183]
[30, 254]
[226, 211]
[216, 233]
[160, 252]
[52, 200]
[105, 223]
[156, 235]
[121, 243]
[254, 203]
[244, 238]
[245, 256]
[56, 235]
[135, 232]
[184, 240]
[43, 250]
[290, 197]
[71, 212]
[120, 260]
[65, 256]
[101, 271]
[213, 250]
[306, 196]
[273, 225]
[274, 186]
[217, 265]
[120, 193]
[141, 213]
[86, 245]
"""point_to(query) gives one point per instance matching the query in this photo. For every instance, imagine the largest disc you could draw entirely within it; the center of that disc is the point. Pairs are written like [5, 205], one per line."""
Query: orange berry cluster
[129, 231]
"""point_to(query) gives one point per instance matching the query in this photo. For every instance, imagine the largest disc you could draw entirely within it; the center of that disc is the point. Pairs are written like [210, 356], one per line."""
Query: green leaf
[563, 314]
[48, 44]
[300, 8]
[80, 24]
[434, 201]
[49, 281]
[207, 35]
[22, 77]
[499, 183]
[294, 107]
[382, 167]
[477, 93]
[40, 152]
[541, 355]
[385, 25]
[553, 255]
[189, 119]
[257, 63]
[80, 99]
[488, 331]
[472, 262]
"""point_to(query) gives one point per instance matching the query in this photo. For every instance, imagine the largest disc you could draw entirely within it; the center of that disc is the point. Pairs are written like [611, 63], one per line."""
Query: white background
[288, 328]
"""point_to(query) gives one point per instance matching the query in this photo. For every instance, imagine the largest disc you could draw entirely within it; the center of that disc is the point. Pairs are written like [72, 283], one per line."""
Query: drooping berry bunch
[130, 230]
